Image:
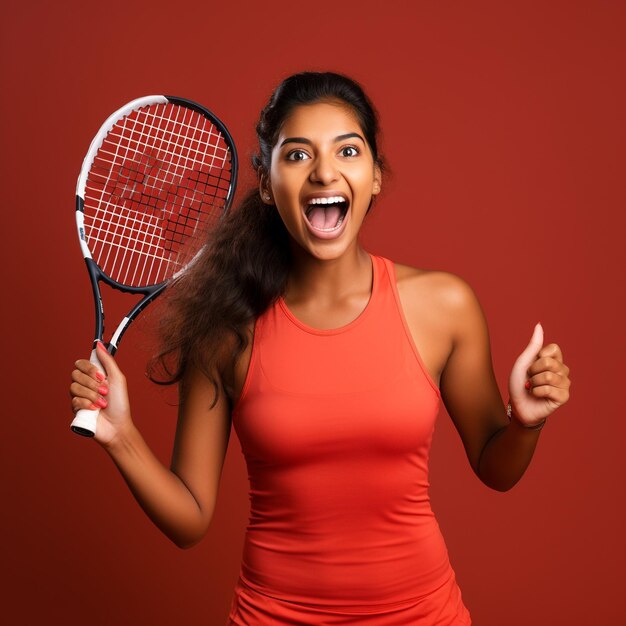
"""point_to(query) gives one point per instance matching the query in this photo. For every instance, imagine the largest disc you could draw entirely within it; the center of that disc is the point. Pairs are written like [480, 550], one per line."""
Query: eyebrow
[309, 143]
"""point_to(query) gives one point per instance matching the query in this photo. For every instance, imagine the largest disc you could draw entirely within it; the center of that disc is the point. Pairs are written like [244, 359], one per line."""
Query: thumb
[106, 361]
[525, 360]
[532, 349]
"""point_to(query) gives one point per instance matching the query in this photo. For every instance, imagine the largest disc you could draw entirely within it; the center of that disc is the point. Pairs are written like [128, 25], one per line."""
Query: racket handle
[85, 420]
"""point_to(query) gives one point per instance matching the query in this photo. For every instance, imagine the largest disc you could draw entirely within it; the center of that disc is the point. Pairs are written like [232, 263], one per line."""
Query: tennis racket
[159, 175]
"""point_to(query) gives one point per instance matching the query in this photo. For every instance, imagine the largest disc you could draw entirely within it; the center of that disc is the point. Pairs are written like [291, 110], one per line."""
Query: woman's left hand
[539, 382]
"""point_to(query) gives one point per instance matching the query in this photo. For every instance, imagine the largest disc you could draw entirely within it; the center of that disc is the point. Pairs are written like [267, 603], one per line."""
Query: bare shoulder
[435, 304]
[444, 291]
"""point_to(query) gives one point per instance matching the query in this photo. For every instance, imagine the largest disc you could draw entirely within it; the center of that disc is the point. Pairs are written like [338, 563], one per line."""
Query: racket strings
[151, 231]
[159, 181]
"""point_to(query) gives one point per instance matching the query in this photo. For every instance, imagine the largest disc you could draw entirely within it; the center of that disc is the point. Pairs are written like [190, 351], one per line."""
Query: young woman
[330, 362]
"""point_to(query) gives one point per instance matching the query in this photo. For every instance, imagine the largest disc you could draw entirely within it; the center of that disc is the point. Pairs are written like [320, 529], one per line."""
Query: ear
[378, 177]
[265, 189]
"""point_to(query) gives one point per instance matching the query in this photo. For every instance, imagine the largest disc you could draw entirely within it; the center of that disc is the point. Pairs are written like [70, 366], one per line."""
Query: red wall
[504, 129]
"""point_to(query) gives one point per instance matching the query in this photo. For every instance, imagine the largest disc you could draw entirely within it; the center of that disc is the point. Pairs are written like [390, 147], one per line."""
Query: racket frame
[96, 274]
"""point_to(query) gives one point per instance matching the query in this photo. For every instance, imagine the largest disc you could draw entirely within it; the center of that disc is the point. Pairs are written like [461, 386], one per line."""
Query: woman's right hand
[107, 391]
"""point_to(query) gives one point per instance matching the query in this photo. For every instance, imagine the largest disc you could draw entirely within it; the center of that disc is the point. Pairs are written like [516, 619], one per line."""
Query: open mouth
[327, 214]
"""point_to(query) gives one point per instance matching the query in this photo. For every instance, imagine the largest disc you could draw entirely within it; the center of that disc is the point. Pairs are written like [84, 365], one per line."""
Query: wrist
[513, 418]
[123, 440]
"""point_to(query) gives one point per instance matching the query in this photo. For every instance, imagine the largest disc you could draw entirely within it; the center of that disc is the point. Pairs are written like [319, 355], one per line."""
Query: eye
[297, 155]
[349, 151]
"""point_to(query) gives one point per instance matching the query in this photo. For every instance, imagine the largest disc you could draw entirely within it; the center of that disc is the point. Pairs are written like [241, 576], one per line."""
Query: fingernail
[527, 385]
[102, 346]
[101, 402]
[94, 407]
[100, 376]
[103, 390]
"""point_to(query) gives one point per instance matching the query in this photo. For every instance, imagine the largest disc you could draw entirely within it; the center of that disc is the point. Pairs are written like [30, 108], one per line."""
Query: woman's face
[322, 177]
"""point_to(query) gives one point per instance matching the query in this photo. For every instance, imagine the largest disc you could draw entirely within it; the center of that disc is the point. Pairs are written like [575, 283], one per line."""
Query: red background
[504, 129]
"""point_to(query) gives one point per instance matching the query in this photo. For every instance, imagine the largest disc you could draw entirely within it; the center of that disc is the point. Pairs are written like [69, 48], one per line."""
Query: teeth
[331, 200]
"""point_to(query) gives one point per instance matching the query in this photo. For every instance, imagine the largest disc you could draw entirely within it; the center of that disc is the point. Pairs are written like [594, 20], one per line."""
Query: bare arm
[181, 500]
[498, 450]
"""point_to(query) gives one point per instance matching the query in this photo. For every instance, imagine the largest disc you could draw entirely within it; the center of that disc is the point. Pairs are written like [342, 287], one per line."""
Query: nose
[324, 170]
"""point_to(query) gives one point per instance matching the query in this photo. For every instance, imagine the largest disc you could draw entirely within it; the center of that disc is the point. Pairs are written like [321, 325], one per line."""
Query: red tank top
[335, 426]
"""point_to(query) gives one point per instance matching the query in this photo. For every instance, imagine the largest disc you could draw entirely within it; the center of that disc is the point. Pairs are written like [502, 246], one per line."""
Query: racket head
[158, 176]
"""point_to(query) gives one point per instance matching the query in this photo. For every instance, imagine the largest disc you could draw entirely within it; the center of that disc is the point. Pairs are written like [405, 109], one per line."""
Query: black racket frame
[150, 292]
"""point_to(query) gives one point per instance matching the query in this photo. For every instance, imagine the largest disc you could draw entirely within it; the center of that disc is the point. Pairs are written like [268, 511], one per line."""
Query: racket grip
[86, 420]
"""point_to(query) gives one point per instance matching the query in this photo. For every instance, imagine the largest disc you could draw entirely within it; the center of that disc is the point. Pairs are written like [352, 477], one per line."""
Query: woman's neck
[326, 281]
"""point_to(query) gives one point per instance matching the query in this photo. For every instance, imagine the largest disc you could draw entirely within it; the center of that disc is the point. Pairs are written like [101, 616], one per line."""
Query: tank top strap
[391, 296]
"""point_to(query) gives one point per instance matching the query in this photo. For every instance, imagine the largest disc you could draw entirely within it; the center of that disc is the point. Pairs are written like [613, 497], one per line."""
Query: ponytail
[240, 272]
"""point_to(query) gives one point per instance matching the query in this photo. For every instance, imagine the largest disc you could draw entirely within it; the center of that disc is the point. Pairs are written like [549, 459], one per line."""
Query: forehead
[320, 119]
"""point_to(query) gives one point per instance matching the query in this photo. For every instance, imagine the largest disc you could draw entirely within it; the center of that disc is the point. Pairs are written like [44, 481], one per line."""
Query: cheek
[363, 185]
[279, 178]
[286, 203]
[286, 185]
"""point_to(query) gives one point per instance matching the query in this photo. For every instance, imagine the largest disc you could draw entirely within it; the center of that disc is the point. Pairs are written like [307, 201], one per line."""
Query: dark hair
[244, 267]
[307, 88]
